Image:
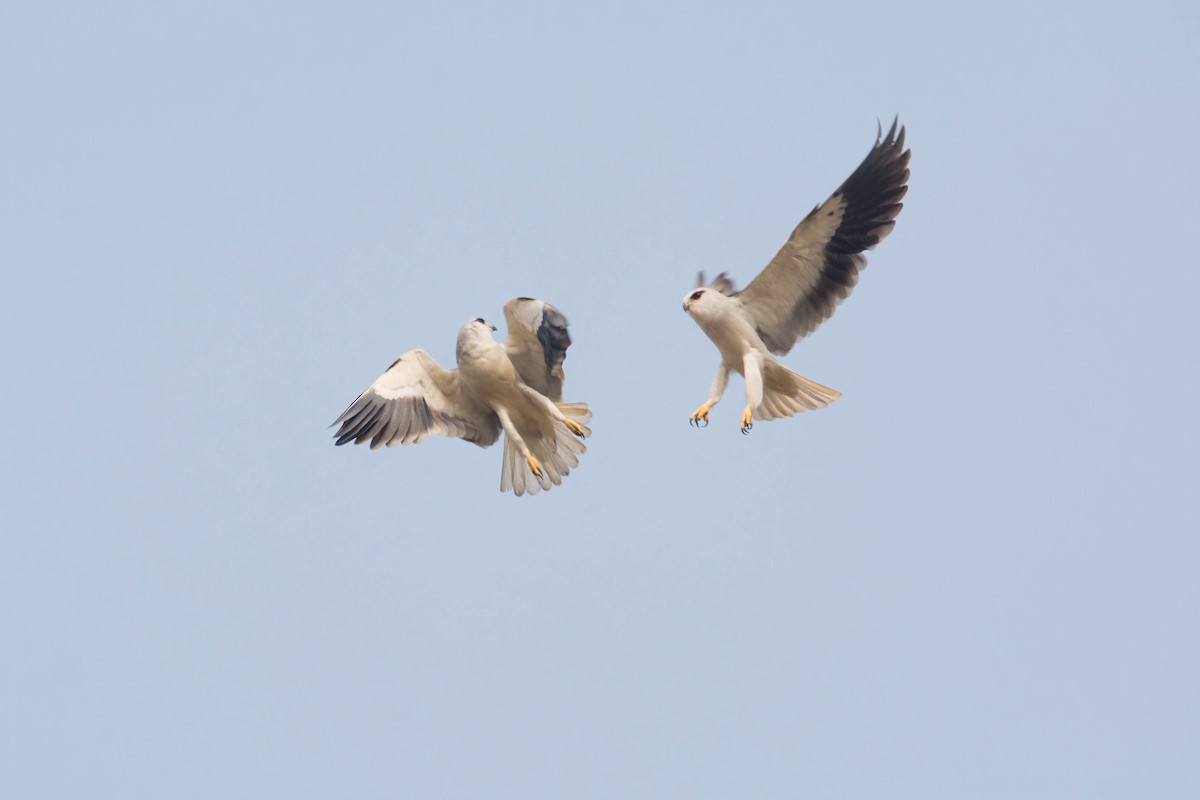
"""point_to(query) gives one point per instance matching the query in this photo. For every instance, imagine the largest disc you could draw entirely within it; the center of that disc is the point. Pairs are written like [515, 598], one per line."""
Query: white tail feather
[556, 455]
[785, 393]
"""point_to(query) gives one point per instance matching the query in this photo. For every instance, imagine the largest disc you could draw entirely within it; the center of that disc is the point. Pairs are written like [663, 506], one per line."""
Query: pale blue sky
[975, 576]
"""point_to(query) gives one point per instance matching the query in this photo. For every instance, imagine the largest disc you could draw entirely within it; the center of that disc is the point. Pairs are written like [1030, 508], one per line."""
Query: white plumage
[815, 270]
[514, 387]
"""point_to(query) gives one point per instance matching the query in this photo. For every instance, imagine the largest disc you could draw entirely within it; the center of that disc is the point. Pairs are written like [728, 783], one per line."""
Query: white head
[702, 303]
[474, 333]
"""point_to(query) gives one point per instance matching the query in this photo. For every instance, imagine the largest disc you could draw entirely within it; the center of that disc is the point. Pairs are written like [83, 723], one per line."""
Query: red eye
[696, 296]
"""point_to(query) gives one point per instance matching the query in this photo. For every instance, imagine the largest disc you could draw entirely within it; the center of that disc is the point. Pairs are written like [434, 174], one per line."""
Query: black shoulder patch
[552, 333]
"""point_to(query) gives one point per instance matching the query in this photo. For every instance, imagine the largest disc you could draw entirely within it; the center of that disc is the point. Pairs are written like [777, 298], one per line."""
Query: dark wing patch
[555, 339]
[385, 422]
[415, 398]
[819, 265]
[537, 344]
[872, 193]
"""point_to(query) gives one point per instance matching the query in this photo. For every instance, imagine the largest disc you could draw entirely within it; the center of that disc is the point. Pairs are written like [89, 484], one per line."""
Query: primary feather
[818, 266]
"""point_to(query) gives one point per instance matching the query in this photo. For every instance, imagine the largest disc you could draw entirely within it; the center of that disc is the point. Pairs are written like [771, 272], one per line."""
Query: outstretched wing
[537, 344]
[819, 264]
[416, 398]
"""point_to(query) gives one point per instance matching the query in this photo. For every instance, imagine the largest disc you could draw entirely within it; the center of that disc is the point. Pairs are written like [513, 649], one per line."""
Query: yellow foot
[574, 427]
[701, 415]
[534, 465]
[747, 420]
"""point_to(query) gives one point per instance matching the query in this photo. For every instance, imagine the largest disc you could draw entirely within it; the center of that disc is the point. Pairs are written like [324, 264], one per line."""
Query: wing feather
[819, 264]
[537, 344]
[416, 397]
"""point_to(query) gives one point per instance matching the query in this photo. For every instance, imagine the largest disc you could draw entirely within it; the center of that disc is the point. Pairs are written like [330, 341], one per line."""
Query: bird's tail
[556, 449]
[785, 393]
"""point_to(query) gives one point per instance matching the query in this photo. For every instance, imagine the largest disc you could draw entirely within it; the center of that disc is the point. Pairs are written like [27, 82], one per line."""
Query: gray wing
[537, 344]
[819, 264]
[721, 283]
[416, 398]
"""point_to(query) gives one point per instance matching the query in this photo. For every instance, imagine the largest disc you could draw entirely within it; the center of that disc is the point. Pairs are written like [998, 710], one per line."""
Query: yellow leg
[701, 415]
[534, 465]
[747, 420]
[574, 427]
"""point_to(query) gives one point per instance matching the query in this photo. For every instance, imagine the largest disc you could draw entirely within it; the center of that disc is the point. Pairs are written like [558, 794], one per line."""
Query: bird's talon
[534, 465]
[574, 427]
[700, 415]
[747, 420]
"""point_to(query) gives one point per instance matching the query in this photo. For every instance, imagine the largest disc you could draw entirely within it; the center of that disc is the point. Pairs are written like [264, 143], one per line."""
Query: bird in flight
[513, 386]
[814, 271]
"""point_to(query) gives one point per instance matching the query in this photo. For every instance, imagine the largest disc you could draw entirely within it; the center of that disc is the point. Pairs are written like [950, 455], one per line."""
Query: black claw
[746, 429]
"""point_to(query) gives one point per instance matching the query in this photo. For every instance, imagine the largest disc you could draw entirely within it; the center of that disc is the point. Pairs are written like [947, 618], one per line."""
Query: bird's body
[730, 329]
[485, 366]
[772, 390]
[800, 288]
[490, 391]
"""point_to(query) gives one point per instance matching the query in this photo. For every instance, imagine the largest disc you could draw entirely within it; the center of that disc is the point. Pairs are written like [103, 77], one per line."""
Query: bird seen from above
[814, 271]
[514, 386]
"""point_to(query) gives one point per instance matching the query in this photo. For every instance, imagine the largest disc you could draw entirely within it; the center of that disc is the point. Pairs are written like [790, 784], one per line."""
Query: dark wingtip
[891, 139]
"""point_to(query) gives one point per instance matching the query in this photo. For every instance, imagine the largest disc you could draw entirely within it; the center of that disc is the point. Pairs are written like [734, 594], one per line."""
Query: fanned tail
[557, 450]
[785, 393]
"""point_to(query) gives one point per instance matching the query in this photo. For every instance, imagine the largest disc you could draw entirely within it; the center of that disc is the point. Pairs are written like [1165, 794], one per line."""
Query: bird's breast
[488, 370]
[732, 333]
